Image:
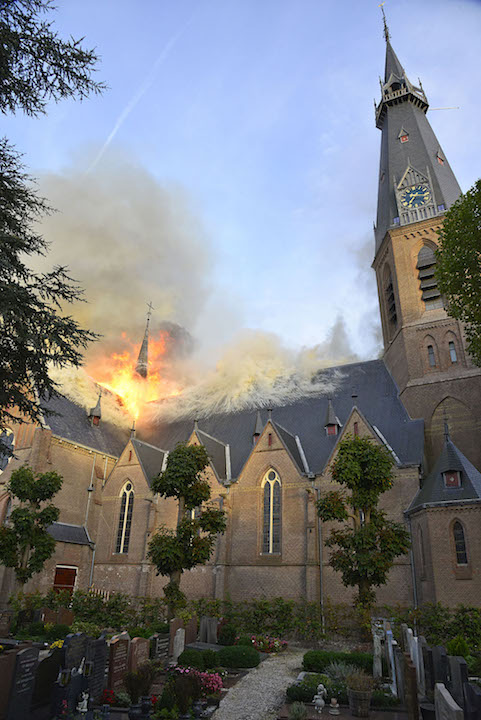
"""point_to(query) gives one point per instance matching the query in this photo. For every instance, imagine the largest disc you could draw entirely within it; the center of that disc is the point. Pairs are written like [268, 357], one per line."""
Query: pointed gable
[151, 458]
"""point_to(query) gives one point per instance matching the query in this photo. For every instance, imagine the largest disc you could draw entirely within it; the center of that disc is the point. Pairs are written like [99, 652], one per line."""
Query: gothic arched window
[125, 518]
[427, 282]
[271, 516]
[460, 544]
[389, 295]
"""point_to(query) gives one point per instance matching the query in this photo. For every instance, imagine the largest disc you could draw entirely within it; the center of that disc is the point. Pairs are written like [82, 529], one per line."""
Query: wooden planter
[359, 702]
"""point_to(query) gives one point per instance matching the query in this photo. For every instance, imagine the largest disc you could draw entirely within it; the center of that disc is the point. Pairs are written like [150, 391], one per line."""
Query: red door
[64, 579]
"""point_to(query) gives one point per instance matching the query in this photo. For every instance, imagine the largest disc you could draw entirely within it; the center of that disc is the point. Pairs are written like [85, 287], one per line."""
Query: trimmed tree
[191, 542]
[25, 544]
[458, 265]
[364, 550]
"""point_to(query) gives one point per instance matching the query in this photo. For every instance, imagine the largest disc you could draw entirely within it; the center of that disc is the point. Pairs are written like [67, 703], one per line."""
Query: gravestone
[411, 688]
[421, 679]
[139, 653]
[377, 657]
[429, 672]
[179, 644]
[118, 659]
[191, 631]
[71, 681]
[45, 679]
[7, 668]
[175, 624]
[399, 666]
[208, 630]
[404, 629]
[440, 661]
[23, 681]
[458, 675]
[446, 707]
[472, 701]
[408, 634]
[159, 647]
[392, 665]
[98, 654]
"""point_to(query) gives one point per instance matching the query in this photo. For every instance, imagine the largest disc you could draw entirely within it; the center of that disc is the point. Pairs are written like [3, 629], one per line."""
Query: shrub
[227, 635]
[382, 699]
[142, 632]
[297, 711]
[139, 683]
[168, 699]
[318, 660]
[85, 626]
[35, 628]
[458, 646]
[191, 658]
[360, 681]
[210, 659]
[244, 640]
[239, 656]
[339, 670]
[58, 632]
[306, 689]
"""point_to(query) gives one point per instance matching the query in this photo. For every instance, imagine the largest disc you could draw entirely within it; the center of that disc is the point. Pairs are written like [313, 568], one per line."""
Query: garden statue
[82, 705]
[319, 700]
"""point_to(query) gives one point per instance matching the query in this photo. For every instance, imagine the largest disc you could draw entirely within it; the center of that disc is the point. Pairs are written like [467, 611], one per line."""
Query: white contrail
[148, 81]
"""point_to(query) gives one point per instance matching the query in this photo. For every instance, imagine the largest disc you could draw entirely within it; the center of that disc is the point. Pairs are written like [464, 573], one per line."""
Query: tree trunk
[365, 593]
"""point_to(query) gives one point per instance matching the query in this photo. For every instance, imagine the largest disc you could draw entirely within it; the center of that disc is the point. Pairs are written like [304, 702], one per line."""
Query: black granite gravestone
[45, 679]
[472, 701]
[23, 682]
[97, 655]
[458, 675]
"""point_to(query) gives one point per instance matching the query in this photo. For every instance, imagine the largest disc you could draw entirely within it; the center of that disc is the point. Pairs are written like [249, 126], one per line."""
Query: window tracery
[271, 517]
[125, 519]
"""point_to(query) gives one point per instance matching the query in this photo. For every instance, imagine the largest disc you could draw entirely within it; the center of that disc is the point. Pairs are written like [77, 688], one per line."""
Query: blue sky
[261, 113]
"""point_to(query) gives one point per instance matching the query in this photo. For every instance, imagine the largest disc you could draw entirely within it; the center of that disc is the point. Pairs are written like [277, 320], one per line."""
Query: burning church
[269, 462]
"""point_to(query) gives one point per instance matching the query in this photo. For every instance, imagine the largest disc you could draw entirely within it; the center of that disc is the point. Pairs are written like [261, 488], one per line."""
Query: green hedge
[191, 658]
[318, 660]
[239, 656]
[306, 689]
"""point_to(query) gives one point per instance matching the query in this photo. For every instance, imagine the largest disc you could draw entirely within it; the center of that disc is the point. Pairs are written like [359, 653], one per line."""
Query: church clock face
[415, 197]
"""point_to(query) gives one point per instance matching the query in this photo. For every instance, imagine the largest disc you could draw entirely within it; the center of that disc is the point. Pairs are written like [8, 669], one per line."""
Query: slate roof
[216, 451]
[150, 458]
[73, 424]
[433, 490]
[368, 385]
[74, 534]
[421, 151]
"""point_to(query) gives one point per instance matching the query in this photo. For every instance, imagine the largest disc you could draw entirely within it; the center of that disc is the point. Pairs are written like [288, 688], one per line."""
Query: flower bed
[262, 643]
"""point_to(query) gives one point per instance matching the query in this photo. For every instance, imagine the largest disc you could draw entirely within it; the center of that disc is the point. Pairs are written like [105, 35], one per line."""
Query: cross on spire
[386, 29]
[149, 311]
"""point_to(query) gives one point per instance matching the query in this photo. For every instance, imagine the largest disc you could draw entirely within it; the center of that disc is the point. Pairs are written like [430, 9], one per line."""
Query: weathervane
[386, 29]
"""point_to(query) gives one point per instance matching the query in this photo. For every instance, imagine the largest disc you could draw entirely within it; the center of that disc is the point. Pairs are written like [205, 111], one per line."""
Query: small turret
[96, 413]
[259, 427]
[332, 424]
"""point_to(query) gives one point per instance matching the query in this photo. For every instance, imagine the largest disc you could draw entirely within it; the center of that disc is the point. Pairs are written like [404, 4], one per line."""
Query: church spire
[143, 360]
[415, 179]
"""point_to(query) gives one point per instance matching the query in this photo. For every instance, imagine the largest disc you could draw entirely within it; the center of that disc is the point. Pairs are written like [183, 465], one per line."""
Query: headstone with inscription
[71, 681]
[179, 644]
[159, 647]
[139, 653]
[98, 654]
[446, 708]
[377, 657]
[458, 675]
[118, 663]
[23, 682]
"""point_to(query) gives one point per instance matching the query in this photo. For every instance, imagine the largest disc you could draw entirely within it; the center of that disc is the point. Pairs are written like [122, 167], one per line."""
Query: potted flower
[359, 691]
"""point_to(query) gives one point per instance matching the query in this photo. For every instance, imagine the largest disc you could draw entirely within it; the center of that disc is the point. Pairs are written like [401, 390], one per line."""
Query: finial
[269, 414]
[386, 29]
[95, 413]
[149, 312]
[132, 429]
[196, 425]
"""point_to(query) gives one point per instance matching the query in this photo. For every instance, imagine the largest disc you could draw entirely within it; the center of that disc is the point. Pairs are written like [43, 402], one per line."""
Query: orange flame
[118, 375]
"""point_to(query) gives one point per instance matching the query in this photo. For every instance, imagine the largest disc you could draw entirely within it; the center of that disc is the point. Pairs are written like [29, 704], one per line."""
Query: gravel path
[260, 693]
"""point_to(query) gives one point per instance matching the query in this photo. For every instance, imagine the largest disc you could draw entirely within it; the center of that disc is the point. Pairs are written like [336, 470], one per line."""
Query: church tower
[424, 348]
